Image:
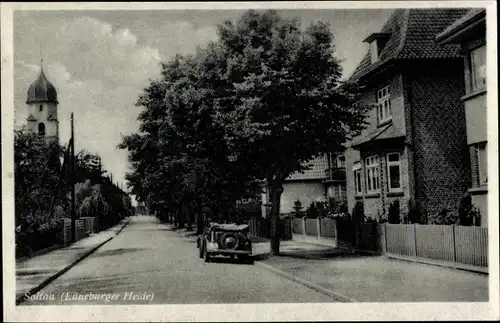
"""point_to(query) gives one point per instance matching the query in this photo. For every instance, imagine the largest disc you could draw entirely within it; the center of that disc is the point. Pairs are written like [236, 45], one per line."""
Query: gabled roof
[316, 172]
[31, 118]
[413, 36]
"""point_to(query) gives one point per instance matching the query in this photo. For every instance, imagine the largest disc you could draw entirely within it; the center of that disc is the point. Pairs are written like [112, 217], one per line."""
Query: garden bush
[358, 212]
[394, 213]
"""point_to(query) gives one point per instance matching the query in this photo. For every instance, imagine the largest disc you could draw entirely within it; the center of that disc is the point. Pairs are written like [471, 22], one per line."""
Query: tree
[258, 104]
[280, 98]
[36, 166]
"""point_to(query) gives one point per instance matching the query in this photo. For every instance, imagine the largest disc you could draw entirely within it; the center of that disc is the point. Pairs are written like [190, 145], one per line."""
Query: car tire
[206, 254]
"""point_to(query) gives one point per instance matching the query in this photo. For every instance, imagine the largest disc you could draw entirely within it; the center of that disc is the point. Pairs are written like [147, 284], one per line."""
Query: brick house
[470, 33]
[414, 146]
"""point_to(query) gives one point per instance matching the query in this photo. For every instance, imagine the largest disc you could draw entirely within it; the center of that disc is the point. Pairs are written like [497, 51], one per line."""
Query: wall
[51, 127]
[305, 191]
[441, 155]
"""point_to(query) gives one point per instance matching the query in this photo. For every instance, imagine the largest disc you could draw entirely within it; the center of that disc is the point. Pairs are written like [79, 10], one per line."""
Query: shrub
[464, 210]
[297, 206]
[312, 211]
[414, 213]
[358, 212]
[394, 213]
[342, 207]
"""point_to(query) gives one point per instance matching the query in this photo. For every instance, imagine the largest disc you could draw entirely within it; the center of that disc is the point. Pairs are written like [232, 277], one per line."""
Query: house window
[394, 172]
[340, 191]
[482, 162]
[40, 108]
[340, 161]
[336, 161]
[357, 178]
[372, 175]
[384, 112]
[41, 129]
[478, 66]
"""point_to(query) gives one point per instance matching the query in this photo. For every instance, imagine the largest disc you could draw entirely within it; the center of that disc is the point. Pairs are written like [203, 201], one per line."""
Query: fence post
[304, 228]
[415, 238]
[454, 245]
[318, 224]
[385, 237]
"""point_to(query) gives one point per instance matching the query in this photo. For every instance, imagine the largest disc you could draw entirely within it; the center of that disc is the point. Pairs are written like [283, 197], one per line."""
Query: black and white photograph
[250, 161]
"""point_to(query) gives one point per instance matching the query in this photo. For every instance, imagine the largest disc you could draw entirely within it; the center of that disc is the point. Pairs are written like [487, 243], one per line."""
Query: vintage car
[230, 240]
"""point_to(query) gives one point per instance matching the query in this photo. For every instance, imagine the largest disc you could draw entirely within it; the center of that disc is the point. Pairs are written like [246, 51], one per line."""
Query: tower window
[41, 129]
[41, 107]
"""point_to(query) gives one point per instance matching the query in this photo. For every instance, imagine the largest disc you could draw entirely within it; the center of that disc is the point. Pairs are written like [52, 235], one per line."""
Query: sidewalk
[35, 273]
[352, 277]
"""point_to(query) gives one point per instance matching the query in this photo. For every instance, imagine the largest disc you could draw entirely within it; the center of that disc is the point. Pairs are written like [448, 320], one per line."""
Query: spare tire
[229, 241]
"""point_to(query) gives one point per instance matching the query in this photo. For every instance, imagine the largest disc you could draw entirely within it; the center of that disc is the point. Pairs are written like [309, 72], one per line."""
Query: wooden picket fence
[459, 244]
[261, 227]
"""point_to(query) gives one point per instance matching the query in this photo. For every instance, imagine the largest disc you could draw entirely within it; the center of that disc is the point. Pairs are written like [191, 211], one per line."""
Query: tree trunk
[199, 220]
[275, 198]
[181, 217]
[189, 219]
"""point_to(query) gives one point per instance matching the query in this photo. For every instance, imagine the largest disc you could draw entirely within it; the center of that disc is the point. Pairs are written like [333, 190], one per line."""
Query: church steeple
[42, 104]
[42, 90]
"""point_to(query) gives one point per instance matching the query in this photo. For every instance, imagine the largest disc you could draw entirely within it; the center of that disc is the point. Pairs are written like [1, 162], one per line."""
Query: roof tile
[413, 36]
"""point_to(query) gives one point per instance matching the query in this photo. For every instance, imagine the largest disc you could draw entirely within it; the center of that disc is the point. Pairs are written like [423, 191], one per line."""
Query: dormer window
[377, 43]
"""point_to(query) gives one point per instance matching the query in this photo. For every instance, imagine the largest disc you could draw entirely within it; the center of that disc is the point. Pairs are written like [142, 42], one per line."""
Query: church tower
[42, 106]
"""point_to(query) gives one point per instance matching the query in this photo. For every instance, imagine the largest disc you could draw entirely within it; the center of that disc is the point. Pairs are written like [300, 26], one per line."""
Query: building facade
[326, 178]
[470, 33]
[414, 148]
[42, 106]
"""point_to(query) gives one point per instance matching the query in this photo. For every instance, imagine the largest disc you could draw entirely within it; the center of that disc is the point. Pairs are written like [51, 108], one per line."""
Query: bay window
[394, 172]
[372, 174]
[482, 162]
[384, 112]
[357, 178]
[478, 68]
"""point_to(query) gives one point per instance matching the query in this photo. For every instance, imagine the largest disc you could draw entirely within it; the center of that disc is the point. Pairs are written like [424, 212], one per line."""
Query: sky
[99, 61]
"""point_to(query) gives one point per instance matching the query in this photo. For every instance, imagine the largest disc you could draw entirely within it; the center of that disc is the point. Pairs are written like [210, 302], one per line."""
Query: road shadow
[226, 260]
[115, 252]
[331, 253]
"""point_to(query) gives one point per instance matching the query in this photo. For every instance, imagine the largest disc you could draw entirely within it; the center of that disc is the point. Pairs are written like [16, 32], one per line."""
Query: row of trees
[252, 107]
[39, 174]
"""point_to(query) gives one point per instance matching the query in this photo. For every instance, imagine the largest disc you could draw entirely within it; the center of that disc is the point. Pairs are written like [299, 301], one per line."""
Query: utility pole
[100, 170]
[73, 180]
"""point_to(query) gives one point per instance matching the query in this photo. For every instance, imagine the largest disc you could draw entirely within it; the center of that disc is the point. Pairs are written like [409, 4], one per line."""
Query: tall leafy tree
[283, 102]
[259, 103]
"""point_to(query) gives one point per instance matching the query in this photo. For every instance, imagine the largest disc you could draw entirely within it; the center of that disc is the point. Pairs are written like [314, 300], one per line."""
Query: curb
[313, 286]
[431, 263]
[122, 228]
[50, 279]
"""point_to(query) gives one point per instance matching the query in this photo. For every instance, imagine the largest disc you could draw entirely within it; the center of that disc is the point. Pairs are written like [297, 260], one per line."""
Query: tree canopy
[258, 104]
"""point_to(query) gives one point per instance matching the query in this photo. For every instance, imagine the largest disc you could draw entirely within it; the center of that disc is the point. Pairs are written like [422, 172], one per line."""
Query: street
[155, 265]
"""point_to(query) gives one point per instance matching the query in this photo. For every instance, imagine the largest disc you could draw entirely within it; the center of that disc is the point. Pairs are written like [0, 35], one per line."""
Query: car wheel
[207, 255]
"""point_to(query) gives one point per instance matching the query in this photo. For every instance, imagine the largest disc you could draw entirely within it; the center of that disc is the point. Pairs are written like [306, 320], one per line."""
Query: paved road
[157, 266]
